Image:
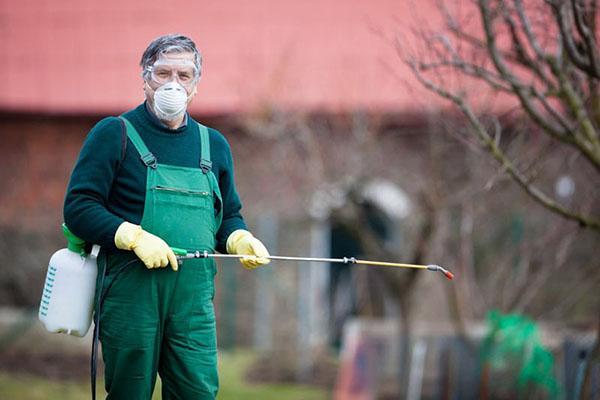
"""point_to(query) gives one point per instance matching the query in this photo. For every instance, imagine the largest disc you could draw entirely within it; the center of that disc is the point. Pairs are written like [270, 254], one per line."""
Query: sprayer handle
[179, 252]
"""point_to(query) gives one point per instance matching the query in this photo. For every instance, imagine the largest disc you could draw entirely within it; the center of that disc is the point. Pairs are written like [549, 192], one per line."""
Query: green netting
[513, 353]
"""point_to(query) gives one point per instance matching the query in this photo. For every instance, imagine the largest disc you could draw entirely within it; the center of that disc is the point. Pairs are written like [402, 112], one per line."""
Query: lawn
[232, 366]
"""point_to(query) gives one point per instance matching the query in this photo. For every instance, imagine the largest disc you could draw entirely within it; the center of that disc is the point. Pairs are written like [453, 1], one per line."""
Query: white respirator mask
[170, 101]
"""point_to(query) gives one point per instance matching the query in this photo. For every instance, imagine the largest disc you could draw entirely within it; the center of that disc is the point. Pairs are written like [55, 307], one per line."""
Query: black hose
[101, 298]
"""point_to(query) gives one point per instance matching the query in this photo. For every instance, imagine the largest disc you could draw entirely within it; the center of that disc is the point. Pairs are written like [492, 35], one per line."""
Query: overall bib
[158, 320]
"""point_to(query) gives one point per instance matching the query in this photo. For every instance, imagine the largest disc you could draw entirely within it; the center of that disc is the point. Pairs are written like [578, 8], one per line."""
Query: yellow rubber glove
[152, 250]
[242, 242]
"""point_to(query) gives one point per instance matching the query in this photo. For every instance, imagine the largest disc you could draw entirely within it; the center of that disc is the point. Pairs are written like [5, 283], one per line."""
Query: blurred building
[70, 63]
[81, 57]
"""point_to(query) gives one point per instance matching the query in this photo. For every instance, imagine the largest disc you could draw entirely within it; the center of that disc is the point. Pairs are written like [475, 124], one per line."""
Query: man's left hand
[243, 242]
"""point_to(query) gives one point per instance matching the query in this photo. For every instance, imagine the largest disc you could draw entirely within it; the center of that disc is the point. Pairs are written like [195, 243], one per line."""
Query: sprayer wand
[183, 254]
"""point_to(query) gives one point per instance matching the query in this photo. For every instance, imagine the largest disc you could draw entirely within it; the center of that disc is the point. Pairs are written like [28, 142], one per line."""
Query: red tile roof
[81, 56]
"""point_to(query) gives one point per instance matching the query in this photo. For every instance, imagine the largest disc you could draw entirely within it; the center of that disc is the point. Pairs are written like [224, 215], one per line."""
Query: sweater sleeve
[232, 217]
[85, 210]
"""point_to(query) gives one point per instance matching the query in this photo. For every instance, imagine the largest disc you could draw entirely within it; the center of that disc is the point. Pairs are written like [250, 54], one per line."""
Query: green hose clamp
[179, 252]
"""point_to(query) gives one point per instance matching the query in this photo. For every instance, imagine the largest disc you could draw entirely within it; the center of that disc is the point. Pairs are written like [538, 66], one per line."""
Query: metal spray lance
[183, 254]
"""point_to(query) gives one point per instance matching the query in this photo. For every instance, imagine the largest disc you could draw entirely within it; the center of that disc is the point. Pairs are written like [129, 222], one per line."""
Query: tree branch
[544, 274]
[586, 137]
[588, 38]
[563, 18]
[589, 147]
[518, 87]
[496, 82]
[489, 143]
[471, 70]
[477, 43]
[526, 26]
[521, 50]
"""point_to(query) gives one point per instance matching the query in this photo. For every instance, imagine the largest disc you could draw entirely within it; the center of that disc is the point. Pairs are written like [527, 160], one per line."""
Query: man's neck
[176, 123]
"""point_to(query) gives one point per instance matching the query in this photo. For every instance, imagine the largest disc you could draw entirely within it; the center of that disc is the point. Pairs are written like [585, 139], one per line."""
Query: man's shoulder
[113, 126]
[104, 139]
[107, 127]
[216, 138]
[133, 112]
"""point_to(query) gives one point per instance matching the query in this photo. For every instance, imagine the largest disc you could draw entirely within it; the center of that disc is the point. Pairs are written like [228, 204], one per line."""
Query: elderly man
[147, 180]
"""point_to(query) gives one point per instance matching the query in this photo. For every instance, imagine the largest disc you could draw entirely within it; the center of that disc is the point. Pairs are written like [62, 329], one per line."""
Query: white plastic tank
[68, 297]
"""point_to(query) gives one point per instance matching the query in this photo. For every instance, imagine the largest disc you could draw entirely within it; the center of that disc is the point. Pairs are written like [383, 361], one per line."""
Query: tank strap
[205, 162]
[146, 155]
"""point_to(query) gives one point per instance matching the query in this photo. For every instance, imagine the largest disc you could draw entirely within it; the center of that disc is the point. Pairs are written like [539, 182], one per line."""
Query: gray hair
[172, 43]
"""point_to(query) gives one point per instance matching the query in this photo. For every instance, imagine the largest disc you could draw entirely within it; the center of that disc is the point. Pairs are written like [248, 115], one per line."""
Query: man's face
[170, 67]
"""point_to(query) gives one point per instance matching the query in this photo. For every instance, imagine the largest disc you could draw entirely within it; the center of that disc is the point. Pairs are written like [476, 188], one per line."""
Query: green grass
[231, 370]
[232, 367]
[31, 388]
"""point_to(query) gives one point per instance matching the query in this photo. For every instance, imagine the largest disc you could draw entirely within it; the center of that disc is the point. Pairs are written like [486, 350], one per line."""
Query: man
[151, 179]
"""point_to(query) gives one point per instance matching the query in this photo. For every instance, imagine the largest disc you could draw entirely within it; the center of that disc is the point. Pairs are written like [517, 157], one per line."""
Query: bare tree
[465, 218]
[542, 57]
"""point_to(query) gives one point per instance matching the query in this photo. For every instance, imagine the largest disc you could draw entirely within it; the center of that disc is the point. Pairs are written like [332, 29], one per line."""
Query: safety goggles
[165, 71]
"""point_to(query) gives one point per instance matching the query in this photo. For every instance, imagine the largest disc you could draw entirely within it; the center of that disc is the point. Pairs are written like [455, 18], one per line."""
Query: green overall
[158, 320]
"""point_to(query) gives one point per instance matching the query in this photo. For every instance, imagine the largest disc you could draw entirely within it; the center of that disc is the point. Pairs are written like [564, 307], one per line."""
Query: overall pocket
[183, 217]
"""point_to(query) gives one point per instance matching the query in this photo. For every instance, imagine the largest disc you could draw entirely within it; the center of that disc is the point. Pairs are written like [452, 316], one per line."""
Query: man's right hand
[152, 250]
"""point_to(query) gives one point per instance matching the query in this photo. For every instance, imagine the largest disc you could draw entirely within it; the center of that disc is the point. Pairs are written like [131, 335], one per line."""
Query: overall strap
[147, 157]
[205, 163]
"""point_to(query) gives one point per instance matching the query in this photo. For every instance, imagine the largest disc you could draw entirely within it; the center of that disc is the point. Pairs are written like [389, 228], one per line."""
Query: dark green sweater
[108, 182]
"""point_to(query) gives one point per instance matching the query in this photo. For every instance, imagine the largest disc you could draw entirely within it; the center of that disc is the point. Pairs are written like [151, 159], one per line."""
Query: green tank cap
[74, 243]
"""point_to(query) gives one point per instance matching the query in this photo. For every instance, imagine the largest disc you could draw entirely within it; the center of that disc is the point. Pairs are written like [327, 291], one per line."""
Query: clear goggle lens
[186, 74]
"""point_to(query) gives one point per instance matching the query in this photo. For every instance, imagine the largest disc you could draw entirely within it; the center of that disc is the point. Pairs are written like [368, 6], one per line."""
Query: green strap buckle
[205, 166]
[149, 160]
